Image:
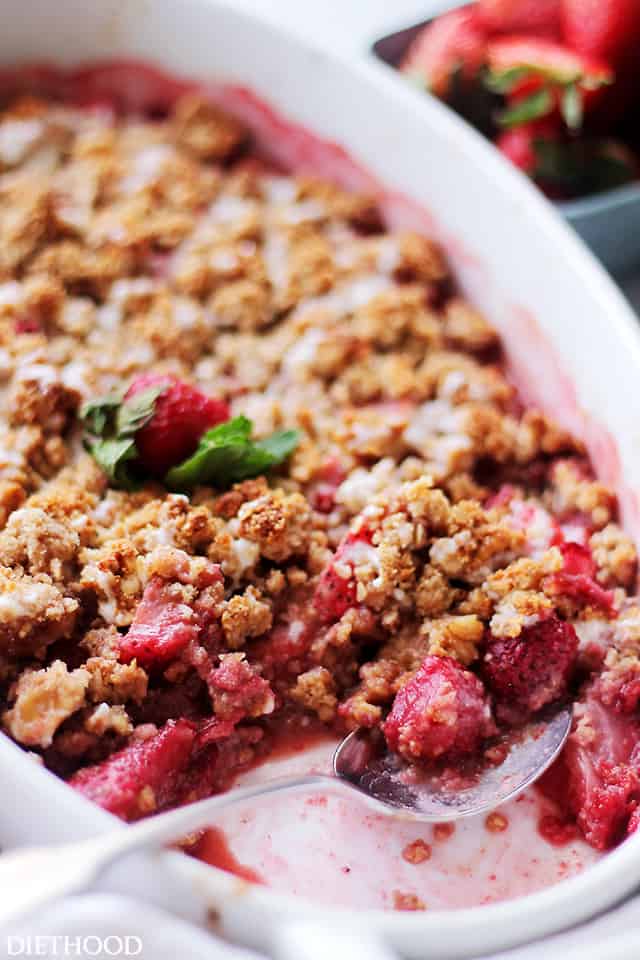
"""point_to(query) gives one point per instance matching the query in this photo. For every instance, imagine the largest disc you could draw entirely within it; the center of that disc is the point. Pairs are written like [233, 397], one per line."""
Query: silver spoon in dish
[33, 876]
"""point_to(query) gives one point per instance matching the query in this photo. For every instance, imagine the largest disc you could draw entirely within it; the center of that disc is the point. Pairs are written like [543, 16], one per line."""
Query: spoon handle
[31, 877]
[174, 824]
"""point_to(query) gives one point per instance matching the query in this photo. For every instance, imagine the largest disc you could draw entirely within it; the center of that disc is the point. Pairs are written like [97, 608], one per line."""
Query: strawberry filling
[527, 672]
[442, 712]
[182, 414]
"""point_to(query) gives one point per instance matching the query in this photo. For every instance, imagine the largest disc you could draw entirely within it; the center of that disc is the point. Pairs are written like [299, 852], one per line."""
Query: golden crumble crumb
[279, 523]
[407, 901]
[43, 699]
[243, 616]
[316, 690]
[457, 637]
[615, 556]
[496, 823]
[419, 851]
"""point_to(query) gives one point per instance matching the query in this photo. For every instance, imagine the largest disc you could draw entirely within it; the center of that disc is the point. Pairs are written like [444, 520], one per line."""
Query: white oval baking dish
[570, 337]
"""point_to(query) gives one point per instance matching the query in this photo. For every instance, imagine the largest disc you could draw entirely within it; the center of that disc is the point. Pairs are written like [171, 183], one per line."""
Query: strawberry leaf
[505, 81]
[572, 106]
[135, 412]
[226, 454]
[111, 424]
[114, 456]
[539, 104]
[98, 415]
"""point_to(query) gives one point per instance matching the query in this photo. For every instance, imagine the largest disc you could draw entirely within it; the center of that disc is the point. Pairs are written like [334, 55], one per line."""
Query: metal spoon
[33, 876]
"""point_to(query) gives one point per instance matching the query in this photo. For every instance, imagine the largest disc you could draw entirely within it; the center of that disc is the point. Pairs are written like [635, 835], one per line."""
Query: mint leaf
[539, 104]
[98, 415]
[226, 454]
[134, 413]
[113, 457]
[572, 106]
[280, 444]
[110, 425]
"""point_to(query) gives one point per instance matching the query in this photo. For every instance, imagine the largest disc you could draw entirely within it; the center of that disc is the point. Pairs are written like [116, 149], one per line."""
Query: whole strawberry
[181, 415]
[539, 18]
[603, 28]
[156, 425]
[451, 43]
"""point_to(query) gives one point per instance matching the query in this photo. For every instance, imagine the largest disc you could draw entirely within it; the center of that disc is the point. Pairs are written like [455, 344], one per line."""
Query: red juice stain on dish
[557, 830]
[212, 848]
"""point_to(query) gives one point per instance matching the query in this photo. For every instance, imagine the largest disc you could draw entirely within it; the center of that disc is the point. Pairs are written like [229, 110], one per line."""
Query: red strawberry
[518, 143]
[608, 29]
[182, 414]
[540, 18]
[158, 763]
[442, 710]
[238, 690]
[554, 62]
[164, 625]
[336, 592]
[577, 579]
[450, 42]
[601, 774]
[568, 82]
[602, 28]
[162, 628]
[529, 671]
[578, 560]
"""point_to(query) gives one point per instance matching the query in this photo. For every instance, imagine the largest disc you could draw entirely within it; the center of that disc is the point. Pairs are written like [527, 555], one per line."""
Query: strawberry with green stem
[165, 429]
[449, 46]
[537, 18]
[539, 78]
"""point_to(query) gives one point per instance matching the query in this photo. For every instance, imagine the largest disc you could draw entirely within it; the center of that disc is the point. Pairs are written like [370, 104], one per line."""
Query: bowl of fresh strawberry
[554, 84]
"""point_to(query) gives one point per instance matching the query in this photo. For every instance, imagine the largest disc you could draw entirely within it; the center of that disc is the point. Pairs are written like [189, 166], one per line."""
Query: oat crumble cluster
[432, 558]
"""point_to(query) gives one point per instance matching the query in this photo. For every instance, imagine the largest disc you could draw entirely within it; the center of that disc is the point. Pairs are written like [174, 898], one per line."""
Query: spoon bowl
[449, 793]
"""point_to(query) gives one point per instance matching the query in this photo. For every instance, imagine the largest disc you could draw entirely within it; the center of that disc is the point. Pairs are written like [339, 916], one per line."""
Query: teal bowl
[609, 223]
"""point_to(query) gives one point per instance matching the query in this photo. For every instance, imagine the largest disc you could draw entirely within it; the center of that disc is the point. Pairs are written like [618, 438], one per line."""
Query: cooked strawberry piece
[182, 414]
[526, 672]
[539, 526]
[221, 752]
[28, 322]
[455, 41]
[577, 579]
[336, 590]
[442, 711]
[162, 627]
[534, 17]
[634, 821]
[602, 775]
[238, 690]
[153, 766]
[578, 560]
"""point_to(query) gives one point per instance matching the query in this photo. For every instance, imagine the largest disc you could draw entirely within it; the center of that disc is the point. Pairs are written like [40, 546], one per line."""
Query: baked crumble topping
[307, 489]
